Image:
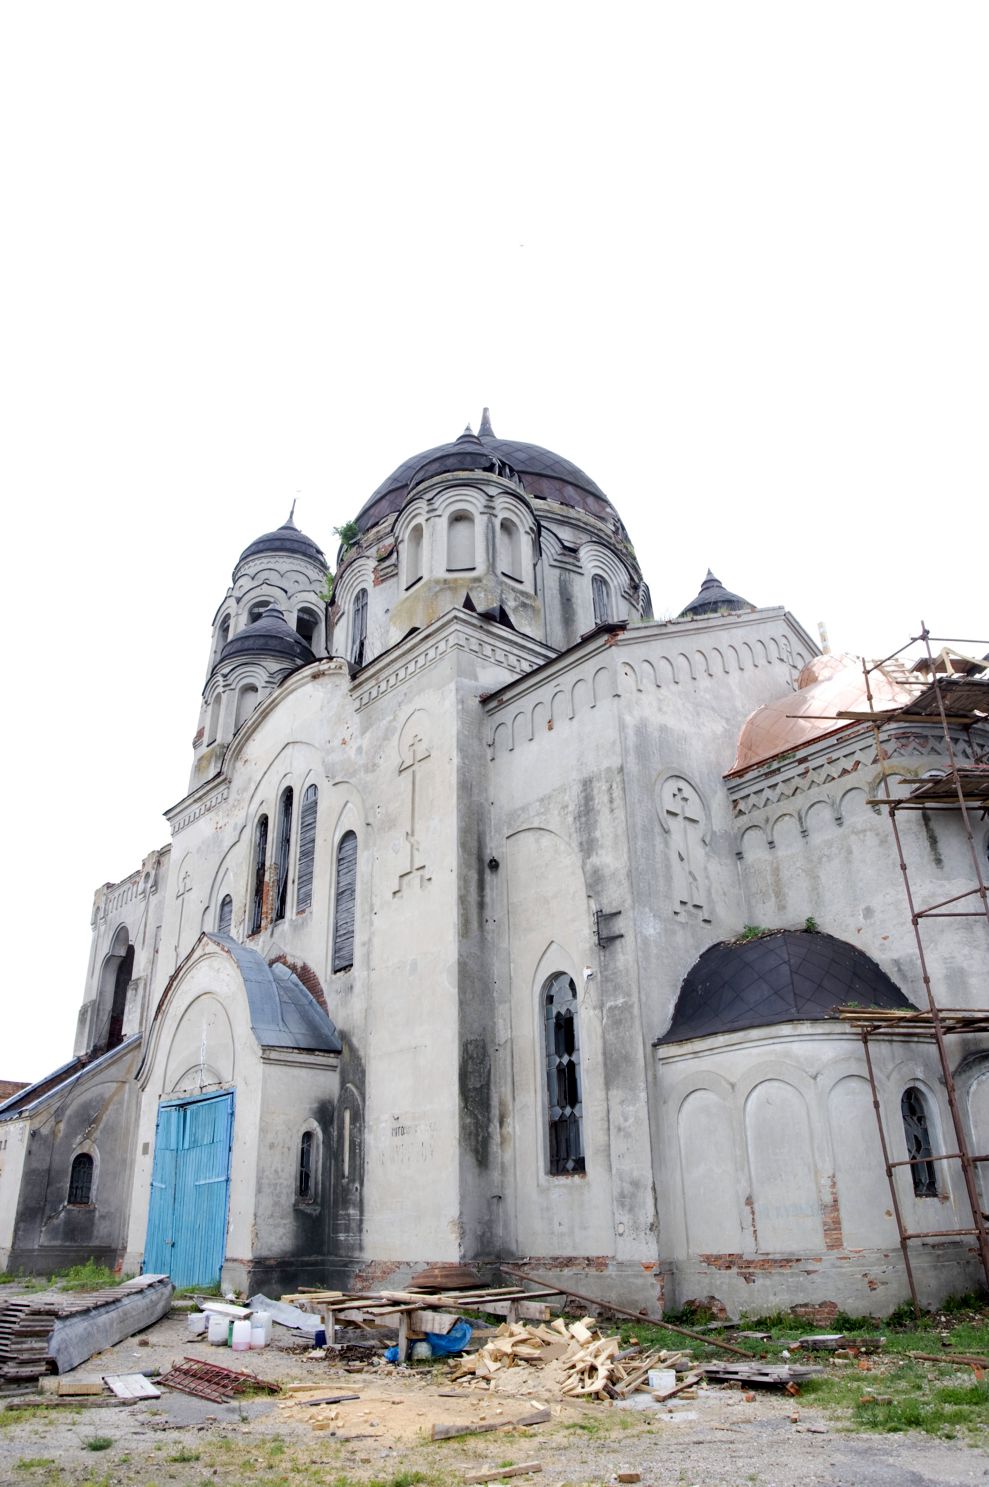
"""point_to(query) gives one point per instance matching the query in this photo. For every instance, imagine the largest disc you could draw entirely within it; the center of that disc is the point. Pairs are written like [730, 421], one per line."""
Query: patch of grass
[25, 1282]
[31, 1463]
[16, 1417]
[98, 1443]
[400, 1479]
[88, 1277]
[184, 1454]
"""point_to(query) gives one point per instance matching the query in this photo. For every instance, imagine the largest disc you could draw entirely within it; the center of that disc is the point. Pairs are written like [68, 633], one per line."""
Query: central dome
[547, 476]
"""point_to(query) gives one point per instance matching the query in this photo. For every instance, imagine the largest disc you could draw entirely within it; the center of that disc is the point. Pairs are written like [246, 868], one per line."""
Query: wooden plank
[496, 1474]
[533, 1311]
[131, 1386]
[445, 1432]
[71, 1387]
[326, 1399]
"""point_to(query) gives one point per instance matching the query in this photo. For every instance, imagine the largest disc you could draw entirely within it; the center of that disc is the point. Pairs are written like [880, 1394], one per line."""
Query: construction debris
[131, 1386]
[537, 1416]
[498, 1473]
[208, 1381]
[766, 1375]
[55, 1331]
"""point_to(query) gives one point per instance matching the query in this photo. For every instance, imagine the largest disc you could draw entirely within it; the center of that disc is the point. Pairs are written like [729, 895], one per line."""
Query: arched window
[282, 854]
[305, 1187]
[81, 1179]
[601, 598]
[460, 542]
[345, 903]
[566, 1149]
[510, 549]
[307, 849]
[213, 727]
[257, 609]
[223, 635]
[307, 625]
[225, 918]
[916, 1128]
[358, 628]
[125, 971]
[260, 863]
[247, 701]
[413, 556]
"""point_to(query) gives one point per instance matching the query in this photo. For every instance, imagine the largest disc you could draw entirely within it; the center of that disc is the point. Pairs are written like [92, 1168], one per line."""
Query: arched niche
[201, 1051]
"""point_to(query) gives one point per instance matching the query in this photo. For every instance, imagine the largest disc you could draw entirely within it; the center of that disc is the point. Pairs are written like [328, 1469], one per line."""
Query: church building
[500, 921]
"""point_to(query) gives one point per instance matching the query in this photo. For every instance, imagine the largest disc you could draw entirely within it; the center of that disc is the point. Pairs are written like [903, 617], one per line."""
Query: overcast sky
[731, 259]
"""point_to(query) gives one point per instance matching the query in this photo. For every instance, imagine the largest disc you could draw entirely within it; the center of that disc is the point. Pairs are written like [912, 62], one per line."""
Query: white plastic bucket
[217, 1329]
[662, 1380]
[258, 1338]
[240, 1339]
[263, 1319]
[196, 1324]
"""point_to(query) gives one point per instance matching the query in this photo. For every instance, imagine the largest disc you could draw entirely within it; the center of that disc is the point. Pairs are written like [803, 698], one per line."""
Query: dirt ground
[715, 1440]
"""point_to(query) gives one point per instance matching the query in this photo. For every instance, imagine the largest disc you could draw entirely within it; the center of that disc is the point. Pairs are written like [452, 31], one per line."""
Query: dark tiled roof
[270, 635]
[714, 598]
[790, 976]
[545, 475]
[283, 1013]
[287, 541]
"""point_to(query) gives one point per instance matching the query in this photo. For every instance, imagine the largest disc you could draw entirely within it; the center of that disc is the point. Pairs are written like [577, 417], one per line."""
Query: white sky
[729, 258]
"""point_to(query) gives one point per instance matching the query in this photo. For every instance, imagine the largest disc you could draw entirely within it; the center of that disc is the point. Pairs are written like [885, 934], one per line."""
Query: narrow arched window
[565, 1112]
[282, 855]
[247, 701]
[413, 556]
[225, 918]
[460, 542]
[916, 1128]
[304, 1188]
[257, 610]
[223, 635]
[213, 727]
[307, 625]
[510, 549]
[601, 597]
[345, 903]
[118, 1007]
[260, 863]
[358, 628]
[307, 849]
[81, 1179]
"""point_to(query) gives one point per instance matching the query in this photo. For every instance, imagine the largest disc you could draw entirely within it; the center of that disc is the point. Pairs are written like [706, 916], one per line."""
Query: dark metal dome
[287, 541]
[790, 976]
[714, 598]
[269, 635]
[546, 475]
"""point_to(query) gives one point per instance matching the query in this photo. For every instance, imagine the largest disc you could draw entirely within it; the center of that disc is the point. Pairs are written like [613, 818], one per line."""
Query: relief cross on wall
[682, 814]
[416, 754]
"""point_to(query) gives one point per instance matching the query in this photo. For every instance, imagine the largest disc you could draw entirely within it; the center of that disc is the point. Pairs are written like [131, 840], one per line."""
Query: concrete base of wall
[46, 1261]
[859, 1282]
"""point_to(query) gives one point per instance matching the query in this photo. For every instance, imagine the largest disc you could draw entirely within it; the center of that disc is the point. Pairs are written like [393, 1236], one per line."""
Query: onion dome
[791, 975]
[546, 476]
[269, 635]
[826, 686]
[714, 598]
[287, 541]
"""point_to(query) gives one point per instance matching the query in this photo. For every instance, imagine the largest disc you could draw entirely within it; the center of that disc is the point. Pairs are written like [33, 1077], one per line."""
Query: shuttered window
[307, 849]
[81, 1179]
[282, 858]
[565, 1108]
[358, 628]
[601, 595]
[305, 1188]
[346, 897]
[225, 918]
[260, 862]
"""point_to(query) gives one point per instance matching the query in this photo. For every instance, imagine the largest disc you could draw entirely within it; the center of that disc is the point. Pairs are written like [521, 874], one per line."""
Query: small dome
[826, 686]
[269, 635]
[714, 598]
[287, 541]
[793, 975]
[547, 476]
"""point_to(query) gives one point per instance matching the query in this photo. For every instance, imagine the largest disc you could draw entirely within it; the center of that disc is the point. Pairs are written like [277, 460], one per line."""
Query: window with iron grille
[305, 1185]
[81, 1179]
[282, 856]
[916, 1128]
[345, 903]
[307, 849]
[358, 628]
[565, 1111]
[260, 863]
[225, 918]
[601, 598]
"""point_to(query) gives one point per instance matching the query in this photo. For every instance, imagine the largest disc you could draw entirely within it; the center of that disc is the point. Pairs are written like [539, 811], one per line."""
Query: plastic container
[258, 1339]
[263, 1319]
[240, 1337]
[217, 1330]
[421, 1352]
[662, 1380]
[196, 1323]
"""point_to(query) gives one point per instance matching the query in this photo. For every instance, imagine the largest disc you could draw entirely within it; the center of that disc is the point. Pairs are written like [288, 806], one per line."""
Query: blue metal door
[190, 1190]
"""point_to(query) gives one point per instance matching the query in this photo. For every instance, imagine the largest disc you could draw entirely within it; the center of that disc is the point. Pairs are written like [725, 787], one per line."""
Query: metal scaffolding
[953, 691]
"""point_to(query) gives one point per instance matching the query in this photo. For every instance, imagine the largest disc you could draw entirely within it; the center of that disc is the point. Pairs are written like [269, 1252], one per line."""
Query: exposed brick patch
[575, 1264]
[755, 1263]
[710, 1304]
[306, 975]
[376, 1274]
[831, 1217]
[818, 1313]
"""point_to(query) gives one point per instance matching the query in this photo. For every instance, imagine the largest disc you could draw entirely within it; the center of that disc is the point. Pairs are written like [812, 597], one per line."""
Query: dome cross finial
[486, 428]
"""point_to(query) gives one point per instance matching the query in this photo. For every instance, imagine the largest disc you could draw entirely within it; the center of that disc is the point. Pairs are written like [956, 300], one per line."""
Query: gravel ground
[717, 1440]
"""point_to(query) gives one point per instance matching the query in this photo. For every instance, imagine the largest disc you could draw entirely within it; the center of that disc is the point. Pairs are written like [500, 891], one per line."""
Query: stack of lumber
[53, 1331]
[590, 1366]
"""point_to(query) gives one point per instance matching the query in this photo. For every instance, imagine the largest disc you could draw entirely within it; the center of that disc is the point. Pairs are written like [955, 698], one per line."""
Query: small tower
[271, 622]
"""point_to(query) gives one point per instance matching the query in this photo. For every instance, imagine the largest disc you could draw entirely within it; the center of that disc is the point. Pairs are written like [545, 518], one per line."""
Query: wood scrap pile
[590, 1365]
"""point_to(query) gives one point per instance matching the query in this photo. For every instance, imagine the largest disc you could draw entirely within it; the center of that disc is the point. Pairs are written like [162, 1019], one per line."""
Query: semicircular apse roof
[791, 975]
